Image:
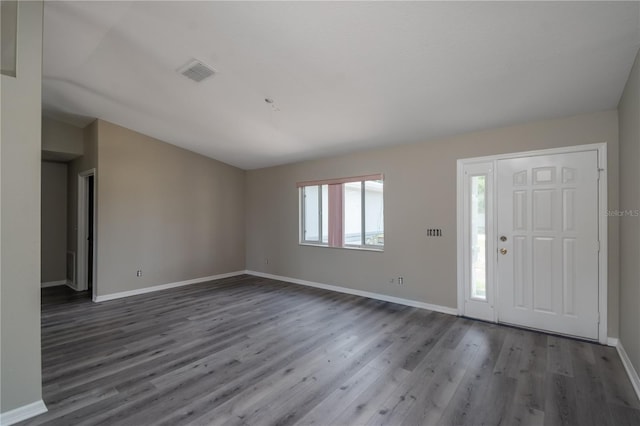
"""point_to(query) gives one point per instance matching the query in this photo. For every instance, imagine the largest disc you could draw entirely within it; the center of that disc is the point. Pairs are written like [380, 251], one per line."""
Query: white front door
[547, 242]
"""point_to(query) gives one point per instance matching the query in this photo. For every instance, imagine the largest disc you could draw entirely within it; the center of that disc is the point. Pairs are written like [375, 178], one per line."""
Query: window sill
[373, 249]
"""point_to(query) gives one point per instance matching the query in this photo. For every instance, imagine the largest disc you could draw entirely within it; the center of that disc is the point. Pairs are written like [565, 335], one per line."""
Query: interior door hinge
[598, 317]
[598, 245]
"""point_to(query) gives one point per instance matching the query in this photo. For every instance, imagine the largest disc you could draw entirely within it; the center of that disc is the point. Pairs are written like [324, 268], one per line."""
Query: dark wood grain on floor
[253, 351]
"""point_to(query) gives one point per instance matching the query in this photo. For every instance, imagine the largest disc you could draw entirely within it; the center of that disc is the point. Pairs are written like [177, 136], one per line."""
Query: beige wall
[61, 140]
[20, 381]
[54, 221]
[420, 193]
[174, 214]
[629, 113]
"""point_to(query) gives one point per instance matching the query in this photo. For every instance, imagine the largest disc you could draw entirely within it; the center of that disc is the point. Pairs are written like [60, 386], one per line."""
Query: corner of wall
[21, 379]
[629, 236]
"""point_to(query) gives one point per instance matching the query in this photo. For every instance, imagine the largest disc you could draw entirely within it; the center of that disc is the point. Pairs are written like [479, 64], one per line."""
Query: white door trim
[601, 149]
[81, 276]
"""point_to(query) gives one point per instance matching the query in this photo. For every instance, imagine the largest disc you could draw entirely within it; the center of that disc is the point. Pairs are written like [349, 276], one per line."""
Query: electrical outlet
[400, 280]
[139, 273]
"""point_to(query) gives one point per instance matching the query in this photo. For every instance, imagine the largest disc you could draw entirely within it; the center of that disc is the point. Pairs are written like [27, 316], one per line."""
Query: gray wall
[61, 141]
[20, 381]
[420, 193]
[9, 16]
[54, 221]
[629, 113]
[174, 214]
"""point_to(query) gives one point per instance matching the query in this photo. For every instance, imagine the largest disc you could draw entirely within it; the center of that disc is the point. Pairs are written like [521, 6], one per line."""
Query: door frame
[82, 245]
[601, 149]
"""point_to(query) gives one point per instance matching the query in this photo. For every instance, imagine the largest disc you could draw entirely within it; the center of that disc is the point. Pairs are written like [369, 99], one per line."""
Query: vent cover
[196, 70]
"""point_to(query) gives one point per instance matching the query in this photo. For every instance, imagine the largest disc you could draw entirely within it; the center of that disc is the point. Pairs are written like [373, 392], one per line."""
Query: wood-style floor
[253, 351]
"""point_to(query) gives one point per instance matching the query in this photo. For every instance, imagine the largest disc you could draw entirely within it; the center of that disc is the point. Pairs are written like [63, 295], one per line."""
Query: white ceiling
[344, 76]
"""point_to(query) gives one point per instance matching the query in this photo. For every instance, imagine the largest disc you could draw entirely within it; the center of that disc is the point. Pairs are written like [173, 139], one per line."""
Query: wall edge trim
[22, 413]
[128, 293]
[612, 341]
[370, 295]
[53, 283]
[628, 366]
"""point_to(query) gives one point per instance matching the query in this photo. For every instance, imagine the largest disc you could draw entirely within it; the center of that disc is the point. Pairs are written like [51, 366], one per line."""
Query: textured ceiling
[343, 76]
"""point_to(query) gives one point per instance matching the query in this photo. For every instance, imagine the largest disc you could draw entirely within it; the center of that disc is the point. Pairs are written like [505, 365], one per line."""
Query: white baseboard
[22, 413]
[631, 371]
[370, 295]
[58, 284]
[119, 295]
[612, 341]
[53, 283]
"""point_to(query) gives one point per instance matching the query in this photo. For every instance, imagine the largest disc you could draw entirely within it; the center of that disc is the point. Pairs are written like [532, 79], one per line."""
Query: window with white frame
[345, 212]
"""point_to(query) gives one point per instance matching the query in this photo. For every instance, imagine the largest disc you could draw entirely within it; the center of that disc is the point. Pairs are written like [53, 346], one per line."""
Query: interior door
[547, 231]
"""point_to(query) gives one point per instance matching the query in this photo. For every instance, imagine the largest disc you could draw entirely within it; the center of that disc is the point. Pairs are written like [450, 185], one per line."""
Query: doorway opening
[532, 235]
[86, 262]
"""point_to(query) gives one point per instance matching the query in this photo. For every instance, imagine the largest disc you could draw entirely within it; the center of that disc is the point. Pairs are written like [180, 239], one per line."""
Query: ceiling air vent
[196, 70]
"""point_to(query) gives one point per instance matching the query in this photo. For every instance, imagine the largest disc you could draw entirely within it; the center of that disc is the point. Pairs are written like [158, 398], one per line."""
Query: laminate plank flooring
[252, 351]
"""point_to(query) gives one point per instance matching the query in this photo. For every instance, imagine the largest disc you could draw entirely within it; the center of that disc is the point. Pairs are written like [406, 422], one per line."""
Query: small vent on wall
[196, 70]
[434, 232]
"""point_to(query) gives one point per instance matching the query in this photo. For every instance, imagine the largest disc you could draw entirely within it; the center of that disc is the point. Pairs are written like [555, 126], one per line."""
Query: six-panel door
[547, 242]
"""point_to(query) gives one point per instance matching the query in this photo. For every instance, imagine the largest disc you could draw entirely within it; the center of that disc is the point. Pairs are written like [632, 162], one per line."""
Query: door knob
[503, 238]
[503, 251]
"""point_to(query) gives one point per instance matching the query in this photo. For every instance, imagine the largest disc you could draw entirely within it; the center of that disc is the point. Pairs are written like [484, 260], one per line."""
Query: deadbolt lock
[503, 251]
[503, 238]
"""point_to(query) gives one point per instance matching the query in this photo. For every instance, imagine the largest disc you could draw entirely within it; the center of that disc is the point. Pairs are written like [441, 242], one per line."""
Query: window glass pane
[311, 219]
[343, 214]
[478, 238]
[353, 213]
[374, 213]
[325, 213]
